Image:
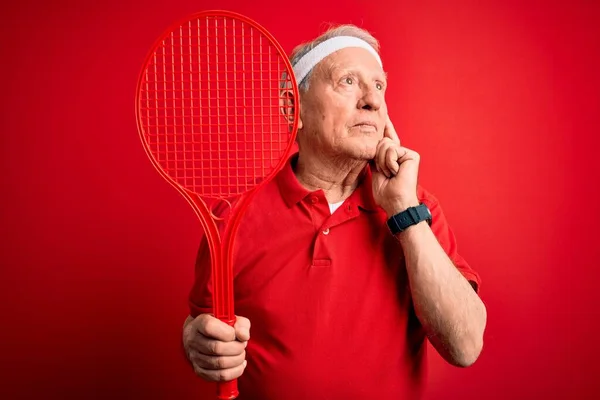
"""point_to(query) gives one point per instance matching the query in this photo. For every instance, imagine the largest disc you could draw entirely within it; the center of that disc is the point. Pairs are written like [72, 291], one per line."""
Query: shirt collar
[293, 192]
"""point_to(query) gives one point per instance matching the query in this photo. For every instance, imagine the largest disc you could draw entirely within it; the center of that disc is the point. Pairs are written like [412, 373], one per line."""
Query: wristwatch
[411, 216]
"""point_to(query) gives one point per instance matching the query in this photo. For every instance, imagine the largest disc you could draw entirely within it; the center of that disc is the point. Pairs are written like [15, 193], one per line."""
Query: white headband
[323, 49]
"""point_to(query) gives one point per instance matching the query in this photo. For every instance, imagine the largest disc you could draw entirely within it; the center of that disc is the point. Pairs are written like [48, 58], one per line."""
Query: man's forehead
[351, 59]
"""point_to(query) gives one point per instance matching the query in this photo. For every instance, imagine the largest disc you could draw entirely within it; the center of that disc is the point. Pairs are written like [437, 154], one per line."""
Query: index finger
[390, 132]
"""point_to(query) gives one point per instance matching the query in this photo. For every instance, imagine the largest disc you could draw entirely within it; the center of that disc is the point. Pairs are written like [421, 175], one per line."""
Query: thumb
[242, 328]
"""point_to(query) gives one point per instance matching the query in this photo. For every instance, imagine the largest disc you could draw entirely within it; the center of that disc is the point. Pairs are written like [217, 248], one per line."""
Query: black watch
[411, 216]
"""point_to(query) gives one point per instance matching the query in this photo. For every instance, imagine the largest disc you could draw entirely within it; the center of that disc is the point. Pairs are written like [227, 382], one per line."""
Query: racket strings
[210, 104]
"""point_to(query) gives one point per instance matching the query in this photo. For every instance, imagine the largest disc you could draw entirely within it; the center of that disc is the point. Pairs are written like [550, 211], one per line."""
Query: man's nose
[370, 100]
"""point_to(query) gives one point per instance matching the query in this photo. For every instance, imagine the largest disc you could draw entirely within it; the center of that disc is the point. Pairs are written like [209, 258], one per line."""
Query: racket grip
[227, 390]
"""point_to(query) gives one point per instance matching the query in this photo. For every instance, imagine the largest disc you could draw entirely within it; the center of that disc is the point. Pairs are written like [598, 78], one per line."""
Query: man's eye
[379, 86]
[348, 81]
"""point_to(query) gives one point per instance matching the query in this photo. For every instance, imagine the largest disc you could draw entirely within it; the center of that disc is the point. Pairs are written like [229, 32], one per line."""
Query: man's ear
[287, 104]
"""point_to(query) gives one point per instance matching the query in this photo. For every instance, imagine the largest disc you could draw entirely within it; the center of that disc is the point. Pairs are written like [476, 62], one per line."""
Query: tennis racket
[209, 113]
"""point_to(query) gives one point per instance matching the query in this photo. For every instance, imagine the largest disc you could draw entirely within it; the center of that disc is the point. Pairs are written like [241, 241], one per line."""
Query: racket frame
[221, 246]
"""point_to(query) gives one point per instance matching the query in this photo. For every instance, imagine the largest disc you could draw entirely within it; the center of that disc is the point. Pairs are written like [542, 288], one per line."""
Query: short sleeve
[445, 236]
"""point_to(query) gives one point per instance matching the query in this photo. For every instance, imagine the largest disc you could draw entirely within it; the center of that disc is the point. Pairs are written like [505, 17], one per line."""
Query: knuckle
[202, 322]
[209, 325]
[224, 375]
[219, 362]
[215, 347]
[202, 319]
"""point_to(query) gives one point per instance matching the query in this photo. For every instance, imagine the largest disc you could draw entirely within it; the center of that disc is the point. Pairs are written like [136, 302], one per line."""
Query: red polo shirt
[327, 296]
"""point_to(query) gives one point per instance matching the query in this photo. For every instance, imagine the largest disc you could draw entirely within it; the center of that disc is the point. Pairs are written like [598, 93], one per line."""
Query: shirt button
[326, 232]
[314, 199]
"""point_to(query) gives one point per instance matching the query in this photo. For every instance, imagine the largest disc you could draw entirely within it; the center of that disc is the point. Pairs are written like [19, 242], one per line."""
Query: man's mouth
[366, 126]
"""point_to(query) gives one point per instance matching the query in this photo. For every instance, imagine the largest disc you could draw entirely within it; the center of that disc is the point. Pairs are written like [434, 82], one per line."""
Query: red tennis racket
[208, 107]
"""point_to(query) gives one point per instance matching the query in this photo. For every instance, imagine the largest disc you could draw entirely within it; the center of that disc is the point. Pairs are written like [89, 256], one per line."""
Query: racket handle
[227, 390]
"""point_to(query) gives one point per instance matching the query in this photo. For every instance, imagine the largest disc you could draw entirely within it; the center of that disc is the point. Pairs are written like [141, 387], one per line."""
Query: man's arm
[451, 312]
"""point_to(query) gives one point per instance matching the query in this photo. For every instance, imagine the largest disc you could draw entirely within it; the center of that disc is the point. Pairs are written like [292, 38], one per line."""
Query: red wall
[502, 101]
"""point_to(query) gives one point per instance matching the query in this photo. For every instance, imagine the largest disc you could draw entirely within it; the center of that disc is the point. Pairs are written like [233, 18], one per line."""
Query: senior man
[345, 264]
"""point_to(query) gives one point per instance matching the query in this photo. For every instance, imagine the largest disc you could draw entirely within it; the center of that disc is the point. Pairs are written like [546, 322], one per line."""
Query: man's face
[343, 112]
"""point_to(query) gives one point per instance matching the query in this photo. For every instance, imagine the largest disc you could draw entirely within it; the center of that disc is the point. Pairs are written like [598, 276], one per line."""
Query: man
[344, 264]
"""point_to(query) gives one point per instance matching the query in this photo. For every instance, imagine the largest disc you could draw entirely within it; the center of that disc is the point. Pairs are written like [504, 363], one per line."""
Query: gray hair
[340, 30]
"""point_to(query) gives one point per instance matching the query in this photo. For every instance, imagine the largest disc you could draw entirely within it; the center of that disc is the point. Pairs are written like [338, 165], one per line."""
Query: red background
[501, 99]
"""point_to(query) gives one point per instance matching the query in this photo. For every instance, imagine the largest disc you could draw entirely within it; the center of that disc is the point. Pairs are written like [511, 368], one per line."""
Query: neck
[337, 177]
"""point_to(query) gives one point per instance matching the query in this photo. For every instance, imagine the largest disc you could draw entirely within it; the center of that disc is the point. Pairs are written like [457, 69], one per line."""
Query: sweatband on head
[308, 61]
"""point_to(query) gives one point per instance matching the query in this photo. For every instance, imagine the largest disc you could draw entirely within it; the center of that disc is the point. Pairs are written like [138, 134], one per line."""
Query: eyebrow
[331, 68]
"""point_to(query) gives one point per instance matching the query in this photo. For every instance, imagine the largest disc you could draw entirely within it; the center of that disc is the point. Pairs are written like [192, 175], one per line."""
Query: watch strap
[411, 216]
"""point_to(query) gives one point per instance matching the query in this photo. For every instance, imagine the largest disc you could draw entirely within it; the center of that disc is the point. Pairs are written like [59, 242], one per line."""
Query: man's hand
[215, 349]
[395, 174]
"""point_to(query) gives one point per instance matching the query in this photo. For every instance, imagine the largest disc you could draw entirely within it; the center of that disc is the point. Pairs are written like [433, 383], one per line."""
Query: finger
[392, 157]
[217, 362]
[378, 162]
[221, 375]
[242, 328]
[381, 157]
[390, 132]
[214, 328]
[378, 153]
[375, 161]
[213, 347]
[407, 154]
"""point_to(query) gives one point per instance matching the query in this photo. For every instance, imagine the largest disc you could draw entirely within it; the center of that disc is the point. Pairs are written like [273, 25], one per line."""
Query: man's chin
[363, 150]
[362, 155]
[368, 153]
